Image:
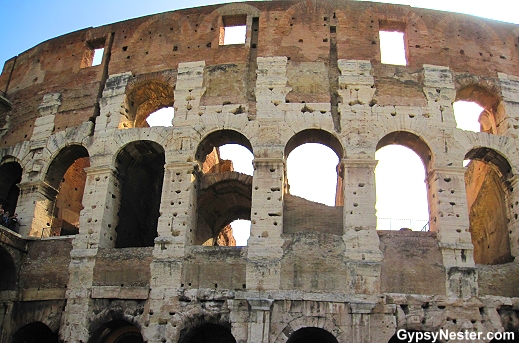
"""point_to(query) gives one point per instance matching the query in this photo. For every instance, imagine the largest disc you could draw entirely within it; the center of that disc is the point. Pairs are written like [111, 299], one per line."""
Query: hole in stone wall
[392, 48]
[233, 30]
[401, 200]
[467, 115]
[162, 117]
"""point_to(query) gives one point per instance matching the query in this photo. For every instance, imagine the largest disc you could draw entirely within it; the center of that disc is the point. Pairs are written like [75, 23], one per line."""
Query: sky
[26, 23]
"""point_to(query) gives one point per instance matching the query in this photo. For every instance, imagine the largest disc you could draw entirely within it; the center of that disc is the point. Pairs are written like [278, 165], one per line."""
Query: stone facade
[117, 216]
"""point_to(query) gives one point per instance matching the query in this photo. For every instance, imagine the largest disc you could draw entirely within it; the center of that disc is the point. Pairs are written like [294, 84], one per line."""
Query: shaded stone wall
[308, 72]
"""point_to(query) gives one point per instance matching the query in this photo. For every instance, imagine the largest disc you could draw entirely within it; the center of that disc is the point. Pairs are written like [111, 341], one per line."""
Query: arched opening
[207, 333]
[402, 200]
[117, 331]
[478, 109]
[313, 158]
[225, 192]
[140, 167]
[311, 335]
[144, 99]
[36, 332]
[10, 176]
[66, 177]
[487, 193]
[162, 117]
[241, 159]
[8, 271]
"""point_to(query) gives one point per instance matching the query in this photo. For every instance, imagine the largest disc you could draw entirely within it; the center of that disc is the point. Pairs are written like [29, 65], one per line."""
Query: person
[5, 219]
[13, 225]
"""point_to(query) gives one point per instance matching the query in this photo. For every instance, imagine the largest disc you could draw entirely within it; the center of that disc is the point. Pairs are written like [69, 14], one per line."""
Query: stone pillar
[449, 218]
[188, 93]
[440, 92]
[35, 202]
[259, 320]
[360, 321]
[176, 230]
[264, 245]
[512, 202]
[76, 317]
[360, 225]
[113, 113]
[98, 220]
[44, 124]
[508, 120]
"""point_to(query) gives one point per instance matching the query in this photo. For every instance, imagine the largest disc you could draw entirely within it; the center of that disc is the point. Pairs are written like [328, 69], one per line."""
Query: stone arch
[390, 12]
[486, 94]
[450, 21]
[488, 192]
[207, 332]
[416, 192]
[140, 171]
[147, 95]
[323, 323]
[315, 136]
[10, 177]
[412, 141]
[8, 270]
[36, 332]
[327, 139]
[312, 334]
[223, 195]
[222, 198]
[65, 180]
[218, 138]
[115, 331]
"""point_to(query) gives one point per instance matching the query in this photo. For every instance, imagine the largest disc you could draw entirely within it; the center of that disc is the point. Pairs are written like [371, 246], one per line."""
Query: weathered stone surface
[151, 257]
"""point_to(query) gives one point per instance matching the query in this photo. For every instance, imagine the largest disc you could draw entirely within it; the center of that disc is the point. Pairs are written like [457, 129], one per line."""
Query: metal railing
[402, 223]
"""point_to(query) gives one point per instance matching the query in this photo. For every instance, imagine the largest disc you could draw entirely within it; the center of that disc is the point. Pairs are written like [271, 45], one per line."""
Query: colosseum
[124, 229]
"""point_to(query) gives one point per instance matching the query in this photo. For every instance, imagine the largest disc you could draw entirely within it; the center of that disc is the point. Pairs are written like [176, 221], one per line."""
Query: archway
[487, 193]
[10, 176]
[225, 193]
[117, 331]
[66, 177]
[145, 98]
[140, 166]
[8, 271]
[402, 200]
[473, 99]
[314, 155]
[207, 333]
[36, 332]
[311, 335]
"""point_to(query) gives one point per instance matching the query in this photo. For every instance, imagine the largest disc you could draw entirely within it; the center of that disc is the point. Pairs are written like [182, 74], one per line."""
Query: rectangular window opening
[94, 52]
[233, 30]
[392, 43]
[98, 56]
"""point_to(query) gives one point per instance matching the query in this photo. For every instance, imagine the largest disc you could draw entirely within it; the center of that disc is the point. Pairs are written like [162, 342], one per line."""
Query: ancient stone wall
[149, 206]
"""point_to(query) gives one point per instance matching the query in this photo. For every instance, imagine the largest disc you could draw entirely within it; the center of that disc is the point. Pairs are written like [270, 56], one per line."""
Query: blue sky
[26, 23]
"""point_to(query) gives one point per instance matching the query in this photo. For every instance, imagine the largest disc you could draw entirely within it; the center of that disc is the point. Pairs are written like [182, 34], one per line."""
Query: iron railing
[402, 223]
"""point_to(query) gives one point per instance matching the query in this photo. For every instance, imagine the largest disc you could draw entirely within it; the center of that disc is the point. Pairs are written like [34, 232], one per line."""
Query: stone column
[513, 210]
[264, 245]
[188, 93]
[44, 124]
[98, 220]
[112, 104]
[360, 225]
[176, 230]
[449, 218]
[35, 202]
[259, 320]
[440, 92]
[360, 319]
